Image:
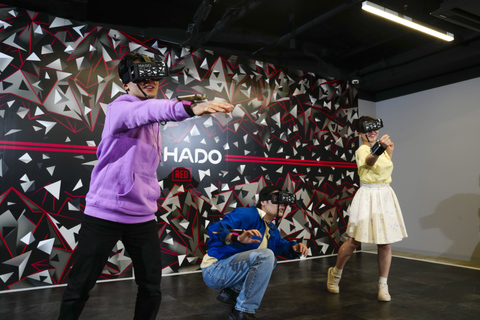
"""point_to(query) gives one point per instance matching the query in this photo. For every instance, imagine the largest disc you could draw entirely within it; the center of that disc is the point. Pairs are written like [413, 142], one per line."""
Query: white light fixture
[406, 21]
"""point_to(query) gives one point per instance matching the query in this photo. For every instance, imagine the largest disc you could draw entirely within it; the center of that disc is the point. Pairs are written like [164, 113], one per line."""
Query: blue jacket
[246, 218]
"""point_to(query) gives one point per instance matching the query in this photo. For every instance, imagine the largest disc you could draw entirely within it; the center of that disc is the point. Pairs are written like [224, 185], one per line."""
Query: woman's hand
[385, 141]
[209, 107]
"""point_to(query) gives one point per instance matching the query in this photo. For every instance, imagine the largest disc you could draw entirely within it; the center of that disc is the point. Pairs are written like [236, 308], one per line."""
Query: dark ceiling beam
[450, 60]
[65, 9]
[230, 15]
[309, 25]
[452, 11]
[378, 43]
[193, 28]
[235, 39]
[423, 53]
[320, 66]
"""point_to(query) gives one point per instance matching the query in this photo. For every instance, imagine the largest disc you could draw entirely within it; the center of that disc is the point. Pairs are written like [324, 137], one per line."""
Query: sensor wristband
[377, 149]
[187, 105]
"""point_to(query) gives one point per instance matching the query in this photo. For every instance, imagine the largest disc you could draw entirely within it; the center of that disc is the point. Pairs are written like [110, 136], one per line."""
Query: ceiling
[335, 39]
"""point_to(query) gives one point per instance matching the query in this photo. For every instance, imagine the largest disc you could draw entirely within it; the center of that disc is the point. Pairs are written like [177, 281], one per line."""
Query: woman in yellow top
[375, 215]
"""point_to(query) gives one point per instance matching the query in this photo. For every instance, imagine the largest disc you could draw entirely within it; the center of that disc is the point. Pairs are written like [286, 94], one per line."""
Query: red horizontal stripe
[48, 149]
[48, 145]
[271, 158]
[34, 146]
[291, 161]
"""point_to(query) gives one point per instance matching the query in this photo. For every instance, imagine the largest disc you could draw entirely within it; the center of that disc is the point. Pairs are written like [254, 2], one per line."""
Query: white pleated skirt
[375, 215]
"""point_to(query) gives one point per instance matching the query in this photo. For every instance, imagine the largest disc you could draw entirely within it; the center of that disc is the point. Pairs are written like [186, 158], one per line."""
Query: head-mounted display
[140, 71]
[371, 125]
[279, 197]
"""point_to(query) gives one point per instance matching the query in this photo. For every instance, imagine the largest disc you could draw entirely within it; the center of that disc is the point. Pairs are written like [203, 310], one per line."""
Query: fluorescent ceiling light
[406, 21]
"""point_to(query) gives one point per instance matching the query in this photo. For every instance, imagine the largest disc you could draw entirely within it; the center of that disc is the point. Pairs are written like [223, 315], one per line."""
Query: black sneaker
[239, 315]
[228, 296]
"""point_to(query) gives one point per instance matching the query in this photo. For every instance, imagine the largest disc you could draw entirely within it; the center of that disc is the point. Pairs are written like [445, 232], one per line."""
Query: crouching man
[242, 252]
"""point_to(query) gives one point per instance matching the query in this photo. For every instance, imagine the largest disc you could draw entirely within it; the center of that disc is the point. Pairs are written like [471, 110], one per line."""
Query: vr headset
[370, 125]
[279, 197]
[148, 69]
[141, 71]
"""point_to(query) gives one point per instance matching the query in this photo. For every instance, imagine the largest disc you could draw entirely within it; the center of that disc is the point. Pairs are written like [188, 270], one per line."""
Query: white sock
[382, 280]
[337, 272]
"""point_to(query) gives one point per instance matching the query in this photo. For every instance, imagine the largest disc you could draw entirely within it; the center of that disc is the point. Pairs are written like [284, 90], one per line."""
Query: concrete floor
[420, 289]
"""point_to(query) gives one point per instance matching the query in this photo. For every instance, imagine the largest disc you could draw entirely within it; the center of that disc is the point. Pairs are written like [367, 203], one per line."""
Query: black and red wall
[290, 128]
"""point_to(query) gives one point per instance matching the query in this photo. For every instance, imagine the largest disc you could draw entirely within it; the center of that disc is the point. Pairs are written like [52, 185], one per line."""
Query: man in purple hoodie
[121, 202]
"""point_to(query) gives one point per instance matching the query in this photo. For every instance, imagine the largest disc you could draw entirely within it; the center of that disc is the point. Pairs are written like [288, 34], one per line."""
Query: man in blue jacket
[121, 202]
[242, 253]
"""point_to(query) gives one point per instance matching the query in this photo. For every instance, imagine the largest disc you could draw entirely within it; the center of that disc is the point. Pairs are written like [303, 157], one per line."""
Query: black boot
[239, 315]
[228, 296]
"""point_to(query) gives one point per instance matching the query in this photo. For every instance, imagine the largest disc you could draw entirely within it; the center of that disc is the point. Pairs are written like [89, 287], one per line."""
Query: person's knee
[384, 247]
[266, 256]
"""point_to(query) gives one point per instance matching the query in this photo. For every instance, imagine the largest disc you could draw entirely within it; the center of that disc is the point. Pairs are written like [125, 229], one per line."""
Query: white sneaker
[383, 294]
[332, 282]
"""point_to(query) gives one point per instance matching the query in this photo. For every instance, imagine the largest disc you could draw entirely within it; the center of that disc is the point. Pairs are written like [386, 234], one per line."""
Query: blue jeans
[247, 273]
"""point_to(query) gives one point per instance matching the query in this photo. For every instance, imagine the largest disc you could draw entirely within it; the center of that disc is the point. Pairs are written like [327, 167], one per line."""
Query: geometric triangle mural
[291, 128]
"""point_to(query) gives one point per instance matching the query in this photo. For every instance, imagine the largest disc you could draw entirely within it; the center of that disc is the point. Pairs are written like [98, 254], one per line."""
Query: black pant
[97, 238]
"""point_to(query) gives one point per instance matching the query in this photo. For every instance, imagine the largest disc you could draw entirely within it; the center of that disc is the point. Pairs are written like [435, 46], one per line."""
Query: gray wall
[367, 108]
[437, 167]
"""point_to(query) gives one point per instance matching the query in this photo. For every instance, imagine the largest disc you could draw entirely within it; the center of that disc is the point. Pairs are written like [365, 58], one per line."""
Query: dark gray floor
[420, 290]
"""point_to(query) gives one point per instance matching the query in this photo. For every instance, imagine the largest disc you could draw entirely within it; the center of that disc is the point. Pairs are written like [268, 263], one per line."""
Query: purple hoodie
[124, 186]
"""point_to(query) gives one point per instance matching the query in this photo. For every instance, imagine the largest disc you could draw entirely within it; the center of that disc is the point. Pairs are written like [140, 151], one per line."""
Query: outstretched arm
[209, 107]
